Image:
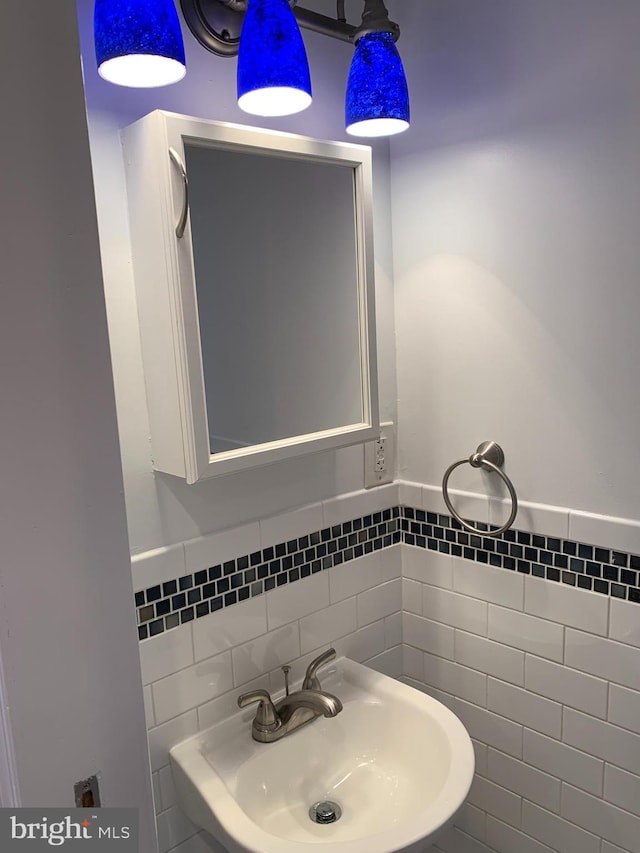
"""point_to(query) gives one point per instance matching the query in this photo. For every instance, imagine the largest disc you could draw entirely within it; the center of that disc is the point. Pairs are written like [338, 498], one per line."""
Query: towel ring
[489, 456]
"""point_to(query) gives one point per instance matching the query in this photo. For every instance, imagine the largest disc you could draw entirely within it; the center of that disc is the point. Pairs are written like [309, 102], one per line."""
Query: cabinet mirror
[253, 267]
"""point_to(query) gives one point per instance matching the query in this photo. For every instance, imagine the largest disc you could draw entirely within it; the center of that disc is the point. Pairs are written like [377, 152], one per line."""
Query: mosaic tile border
[604, 570]
[176, 602]
[192, 596]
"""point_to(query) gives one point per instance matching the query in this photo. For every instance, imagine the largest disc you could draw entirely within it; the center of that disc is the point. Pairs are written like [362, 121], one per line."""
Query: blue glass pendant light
[377, 99]
[273, 72]
[138, 42]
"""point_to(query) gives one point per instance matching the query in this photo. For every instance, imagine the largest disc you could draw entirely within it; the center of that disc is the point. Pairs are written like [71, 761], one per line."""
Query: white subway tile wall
[553, 695]
[542, 670]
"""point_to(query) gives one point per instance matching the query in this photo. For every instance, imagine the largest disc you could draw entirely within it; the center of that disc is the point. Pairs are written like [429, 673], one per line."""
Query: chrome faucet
[275, 720]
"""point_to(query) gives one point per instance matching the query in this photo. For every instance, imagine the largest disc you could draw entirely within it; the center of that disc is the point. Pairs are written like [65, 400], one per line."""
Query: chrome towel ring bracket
[489, 456]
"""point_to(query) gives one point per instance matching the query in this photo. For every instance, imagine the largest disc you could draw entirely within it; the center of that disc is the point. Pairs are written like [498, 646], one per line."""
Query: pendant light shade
[138, 42]
[273, 72]
[377, 100]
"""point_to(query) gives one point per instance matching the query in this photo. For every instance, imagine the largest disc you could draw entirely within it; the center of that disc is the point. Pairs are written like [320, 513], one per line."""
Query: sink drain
[325, 811]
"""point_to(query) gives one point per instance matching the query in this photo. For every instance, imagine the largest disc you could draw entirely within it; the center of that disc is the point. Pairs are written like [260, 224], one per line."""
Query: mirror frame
[167, 299]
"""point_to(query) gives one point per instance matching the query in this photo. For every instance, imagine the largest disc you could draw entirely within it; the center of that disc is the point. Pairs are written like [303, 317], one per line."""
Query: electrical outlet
[87, 792]
[379, 461]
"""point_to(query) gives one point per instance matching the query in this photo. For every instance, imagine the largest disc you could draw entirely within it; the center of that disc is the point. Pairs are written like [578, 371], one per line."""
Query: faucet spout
[318, 701]
[276, 720]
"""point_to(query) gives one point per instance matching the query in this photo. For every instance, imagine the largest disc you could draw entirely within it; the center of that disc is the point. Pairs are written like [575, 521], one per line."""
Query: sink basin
[398, 763]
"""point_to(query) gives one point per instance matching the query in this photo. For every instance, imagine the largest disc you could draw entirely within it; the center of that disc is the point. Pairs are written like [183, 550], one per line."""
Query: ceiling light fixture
[273, 72]
[377, 97]
[138, 42]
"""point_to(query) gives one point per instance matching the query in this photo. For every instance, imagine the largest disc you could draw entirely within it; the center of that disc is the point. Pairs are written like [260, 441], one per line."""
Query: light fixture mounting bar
[324, 25]
[216, 24]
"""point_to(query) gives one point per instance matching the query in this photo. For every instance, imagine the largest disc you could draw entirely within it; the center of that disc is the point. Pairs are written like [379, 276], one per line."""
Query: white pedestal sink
[398, 763]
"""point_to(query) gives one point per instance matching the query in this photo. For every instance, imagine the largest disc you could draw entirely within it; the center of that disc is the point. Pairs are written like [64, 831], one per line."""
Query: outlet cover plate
[379, 457]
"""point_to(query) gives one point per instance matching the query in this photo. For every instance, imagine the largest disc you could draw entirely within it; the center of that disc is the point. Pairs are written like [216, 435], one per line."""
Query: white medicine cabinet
[253, 264]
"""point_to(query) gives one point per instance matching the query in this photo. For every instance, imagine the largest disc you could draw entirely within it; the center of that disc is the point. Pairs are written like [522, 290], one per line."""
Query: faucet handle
[311, 681]
[266, 719]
